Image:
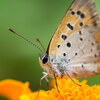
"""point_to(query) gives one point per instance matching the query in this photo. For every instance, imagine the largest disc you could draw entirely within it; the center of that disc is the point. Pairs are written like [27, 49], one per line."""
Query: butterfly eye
[44, 59]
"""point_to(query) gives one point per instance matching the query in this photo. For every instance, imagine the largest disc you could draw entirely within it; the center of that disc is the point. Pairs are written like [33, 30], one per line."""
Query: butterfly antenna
[25, 39]
[40, 44]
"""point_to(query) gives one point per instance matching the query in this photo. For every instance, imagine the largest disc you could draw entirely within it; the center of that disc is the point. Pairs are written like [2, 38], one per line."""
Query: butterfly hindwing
[80, 13]
[79, 52]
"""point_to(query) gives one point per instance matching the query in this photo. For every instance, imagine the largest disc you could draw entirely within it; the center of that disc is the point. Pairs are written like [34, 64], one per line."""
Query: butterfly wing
[79, 14]
[79, 54]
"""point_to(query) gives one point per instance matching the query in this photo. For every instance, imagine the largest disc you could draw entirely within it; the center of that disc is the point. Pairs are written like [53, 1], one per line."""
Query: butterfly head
[46, 64]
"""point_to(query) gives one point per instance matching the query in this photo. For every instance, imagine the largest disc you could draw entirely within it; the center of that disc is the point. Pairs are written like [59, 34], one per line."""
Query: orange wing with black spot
[79, 14]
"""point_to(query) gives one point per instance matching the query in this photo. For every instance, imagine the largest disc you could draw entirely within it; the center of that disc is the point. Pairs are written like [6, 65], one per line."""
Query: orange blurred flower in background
[15, 90]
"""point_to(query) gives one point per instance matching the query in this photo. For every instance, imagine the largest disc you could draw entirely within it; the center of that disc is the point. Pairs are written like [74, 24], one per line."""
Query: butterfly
[74, 49]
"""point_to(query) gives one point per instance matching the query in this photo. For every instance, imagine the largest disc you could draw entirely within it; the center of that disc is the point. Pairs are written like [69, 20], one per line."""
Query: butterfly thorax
[51, 67]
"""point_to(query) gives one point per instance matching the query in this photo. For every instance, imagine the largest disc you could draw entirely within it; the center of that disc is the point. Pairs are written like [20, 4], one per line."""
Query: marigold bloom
[15, 90]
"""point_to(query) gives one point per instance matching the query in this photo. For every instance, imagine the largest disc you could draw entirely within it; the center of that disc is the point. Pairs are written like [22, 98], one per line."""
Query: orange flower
[15, 90]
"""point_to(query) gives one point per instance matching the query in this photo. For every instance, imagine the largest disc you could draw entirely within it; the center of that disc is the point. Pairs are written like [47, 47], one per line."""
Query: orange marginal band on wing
[98, 37]
[99, 66]
[12, 89]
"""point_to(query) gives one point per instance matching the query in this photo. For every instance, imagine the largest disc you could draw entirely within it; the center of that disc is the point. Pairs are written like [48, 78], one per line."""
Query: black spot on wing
[81, 24]
[64, 54]
[68, 44]
[92, 44]
[81, 39]
[95, 55]
[80, 33]
[82, 15]
[58, 45]
[82, 66]
[70, 26]
[72, 13]
[76, 54]
[78, 12]
[64, 37]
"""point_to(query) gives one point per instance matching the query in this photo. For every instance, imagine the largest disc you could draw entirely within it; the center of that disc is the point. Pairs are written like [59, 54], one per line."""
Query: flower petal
[68, 91]
[13, 89]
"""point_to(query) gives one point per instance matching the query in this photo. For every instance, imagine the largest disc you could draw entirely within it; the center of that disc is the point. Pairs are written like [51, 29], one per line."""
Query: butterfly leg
[56, 82]
[72, 79]
[47, 81]
[45, 75]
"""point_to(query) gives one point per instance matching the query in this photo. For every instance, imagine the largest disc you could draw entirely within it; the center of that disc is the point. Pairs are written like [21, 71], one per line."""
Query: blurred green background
[31, 19]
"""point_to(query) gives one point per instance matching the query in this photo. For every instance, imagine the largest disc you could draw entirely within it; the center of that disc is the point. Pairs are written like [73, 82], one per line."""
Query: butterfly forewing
[80, 13]
[74, 46]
